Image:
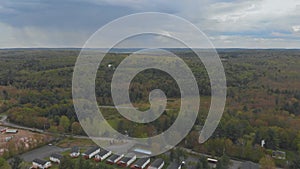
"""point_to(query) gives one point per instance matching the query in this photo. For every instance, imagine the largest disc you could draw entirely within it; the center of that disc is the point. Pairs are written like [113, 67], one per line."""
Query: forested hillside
[263, 98]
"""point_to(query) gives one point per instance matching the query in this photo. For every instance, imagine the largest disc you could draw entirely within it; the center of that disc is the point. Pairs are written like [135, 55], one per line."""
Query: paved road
[42, 152]
[123, 148]
[120, 107]
[4, 122]
[123, 107]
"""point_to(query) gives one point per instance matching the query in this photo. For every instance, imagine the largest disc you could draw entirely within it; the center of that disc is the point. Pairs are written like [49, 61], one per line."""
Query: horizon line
[125, 48]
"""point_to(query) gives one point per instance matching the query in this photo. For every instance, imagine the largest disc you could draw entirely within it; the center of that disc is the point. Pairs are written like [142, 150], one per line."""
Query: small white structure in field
[111, 66]
[75, 152]
[11, 131]
[263, 143]
[56, 158]
[38, 163]
[281, 155]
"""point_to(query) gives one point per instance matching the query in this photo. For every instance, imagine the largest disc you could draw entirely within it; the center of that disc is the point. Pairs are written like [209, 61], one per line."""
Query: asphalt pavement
[42, 152]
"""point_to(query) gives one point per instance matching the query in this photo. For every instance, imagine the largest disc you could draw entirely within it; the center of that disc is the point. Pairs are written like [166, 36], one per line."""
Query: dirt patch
[21, 141]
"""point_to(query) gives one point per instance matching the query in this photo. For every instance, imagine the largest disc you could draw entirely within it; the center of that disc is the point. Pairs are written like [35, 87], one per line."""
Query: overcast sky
[227, 23]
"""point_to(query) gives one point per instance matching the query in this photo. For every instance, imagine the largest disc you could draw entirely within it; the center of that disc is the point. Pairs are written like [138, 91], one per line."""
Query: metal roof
[113, 158]
[75, 149]
[91, 150]
[156, 163]
[128, 157]
[141, 162]
[40, 161]
[103, 153]
[173, 166]
[11, 130]
[57, 156]
[142, 151]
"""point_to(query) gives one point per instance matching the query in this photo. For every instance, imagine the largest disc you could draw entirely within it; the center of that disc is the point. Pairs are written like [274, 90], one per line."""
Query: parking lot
[42, 152]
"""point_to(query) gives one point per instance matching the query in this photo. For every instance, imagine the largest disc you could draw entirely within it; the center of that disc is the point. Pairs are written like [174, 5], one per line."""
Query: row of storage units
[101, 155]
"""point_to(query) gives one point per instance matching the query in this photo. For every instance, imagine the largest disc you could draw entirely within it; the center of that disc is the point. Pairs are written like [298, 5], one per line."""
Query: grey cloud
[78, 19]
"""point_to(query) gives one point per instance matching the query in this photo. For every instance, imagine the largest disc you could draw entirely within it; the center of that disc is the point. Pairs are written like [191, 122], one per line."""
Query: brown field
[11, 144]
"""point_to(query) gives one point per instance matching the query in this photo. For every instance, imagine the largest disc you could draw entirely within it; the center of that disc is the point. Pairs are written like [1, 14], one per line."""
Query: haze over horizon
[227, 23]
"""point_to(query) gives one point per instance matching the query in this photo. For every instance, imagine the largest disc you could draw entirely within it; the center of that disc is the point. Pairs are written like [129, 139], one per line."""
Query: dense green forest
[263, 98]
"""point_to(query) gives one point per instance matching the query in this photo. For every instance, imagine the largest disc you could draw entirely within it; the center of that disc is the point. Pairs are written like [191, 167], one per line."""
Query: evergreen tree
[223, 163]
[15, 163]
[66, 163]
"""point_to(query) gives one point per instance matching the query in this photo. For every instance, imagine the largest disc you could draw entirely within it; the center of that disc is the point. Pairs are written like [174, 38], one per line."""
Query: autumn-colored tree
[64, 122]
[192, 139]
[76, 128]
[267, 163]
